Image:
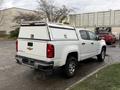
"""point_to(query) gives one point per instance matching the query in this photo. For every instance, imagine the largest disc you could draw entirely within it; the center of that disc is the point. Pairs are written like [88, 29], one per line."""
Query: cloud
[79, 5]
[7, 3]
[91, 5]
[27, 4]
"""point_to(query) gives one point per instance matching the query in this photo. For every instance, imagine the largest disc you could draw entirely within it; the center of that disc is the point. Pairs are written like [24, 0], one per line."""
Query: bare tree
[28, 17]
[52, 12]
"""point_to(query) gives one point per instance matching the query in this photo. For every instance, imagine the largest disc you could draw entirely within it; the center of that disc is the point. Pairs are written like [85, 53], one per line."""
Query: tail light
[50, 51]
[17, 46]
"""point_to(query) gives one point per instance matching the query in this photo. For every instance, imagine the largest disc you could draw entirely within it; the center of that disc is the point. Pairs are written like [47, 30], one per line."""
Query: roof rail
[32, 23]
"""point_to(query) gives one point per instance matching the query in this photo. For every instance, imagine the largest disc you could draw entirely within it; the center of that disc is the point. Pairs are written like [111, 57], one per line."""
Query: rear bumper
[38, 64]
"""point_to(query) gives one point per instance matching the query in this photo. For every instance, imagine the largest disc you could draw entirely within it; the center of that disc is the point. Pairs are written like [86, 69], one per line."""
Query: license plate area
[18, 58]
[28, 61]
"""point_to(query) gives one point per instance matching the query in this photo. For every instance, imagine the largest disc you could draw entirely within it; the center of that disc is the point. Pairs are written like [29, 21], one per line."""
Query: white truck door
[85, 45]
[94, 43]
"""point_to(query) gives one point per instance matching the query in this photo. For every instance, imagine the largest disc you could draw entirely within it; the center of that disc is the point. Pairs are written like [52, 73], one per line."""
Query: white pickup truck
[48, 46]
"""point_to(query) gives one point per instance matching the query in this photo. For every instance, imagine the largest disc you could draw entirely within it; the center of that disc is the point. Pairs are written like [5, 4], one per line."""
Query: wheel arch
[68, 51]
[104, 47]
[74, 54]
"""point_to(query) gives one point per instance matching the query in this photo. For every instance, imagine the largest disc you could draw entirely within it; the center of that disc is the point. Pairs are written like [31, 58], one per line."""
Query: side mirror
[98, 38]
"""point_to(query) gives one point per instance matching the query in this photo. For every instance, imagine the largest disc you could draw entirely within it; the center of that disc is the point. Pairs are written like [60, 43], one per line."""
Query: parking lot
[18, 77]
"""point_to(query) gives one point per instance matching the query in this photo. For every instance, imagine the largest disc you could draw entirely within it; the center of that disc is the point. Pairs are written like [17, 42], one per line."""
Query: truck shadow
[57, 79]
[84, 67]
[42, 81]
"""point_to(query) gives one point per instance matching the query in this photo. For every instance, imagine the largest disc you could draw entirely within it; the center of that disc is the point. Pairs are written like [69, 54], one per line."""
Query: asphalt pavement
[18, 77]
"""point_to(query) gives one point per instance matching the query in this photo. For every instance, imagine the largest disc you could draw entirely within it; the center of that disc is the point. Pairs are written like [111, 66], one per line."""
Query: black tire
[101, 56]
[109, 43]
[36, 69]
[70, 67]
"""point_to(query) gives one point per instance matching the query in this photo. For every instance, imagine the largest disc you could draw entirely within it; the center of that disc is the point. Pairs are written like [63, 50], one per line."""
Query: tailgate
[35, 49]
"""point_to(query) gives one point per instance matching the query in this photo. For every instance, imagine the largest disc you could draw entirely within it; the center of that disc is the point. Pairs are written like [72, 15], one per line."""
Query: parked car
[46, 46]
[108, 37]
[106, 34]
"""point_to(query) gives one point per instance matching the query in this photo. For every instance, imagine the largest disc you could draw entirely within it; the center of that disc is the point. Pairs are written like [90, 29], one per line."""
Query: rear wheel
[101, 56]
[70, 66]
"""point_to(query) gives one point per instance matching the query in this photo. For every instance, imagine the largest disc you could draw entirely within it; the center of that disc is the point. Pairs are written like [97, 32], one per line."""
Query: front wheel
[70, 66]
[101, 56]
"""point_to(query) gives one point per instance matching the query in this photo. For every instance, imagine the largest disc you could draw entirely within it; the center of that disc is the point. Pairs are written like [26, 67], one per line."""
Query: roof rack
[32, 23]
[41, 23]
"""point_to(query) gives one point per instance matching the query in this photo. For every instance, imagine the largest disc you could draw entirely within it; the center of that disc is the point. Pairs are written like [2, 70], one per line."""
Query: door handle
[30, 44]
[92, 43]
[83, 43]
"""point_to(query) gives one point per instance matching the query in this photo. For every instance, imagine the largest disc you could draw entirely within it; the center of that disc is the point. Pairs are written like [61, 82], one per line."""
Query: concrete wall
[105, 18]
[116, 31]
[97, 19]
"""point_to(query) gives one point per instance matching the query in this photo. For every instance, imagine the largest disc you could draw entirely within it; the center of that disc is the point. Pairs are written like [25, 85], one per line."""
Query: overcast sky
[80, 6]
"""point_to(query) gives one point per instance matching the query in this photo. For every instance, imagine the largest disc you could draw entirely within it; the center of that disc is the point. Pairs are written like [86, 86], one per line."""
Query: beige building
[97, 19]
[7, 23]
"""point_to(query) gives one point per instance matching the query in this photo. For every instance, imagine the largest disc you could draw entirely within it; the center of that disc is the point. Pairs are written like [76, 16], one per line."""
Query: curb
[84, 78]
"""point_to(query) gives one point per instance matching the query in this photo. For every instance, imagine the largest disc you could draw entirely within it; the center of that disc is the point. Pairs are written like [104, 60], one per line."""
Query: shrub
[14, 33]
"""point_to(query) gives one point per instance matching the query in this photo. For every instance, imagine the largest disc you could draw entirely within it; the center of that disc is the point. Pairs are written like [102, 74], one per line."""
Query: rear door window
[84, 35]
[92, 35]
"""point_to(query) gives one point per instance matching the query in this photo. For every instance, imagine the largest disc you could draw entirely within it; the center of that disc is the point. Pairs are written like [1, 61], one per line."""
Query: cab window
[92, 35]
[84, 35]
